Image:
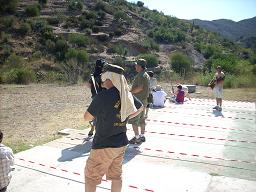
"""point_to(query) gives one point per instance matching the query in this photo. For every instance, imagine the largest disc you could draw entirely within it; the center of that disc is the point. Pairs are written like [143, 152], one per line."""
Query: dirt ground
[33, 114]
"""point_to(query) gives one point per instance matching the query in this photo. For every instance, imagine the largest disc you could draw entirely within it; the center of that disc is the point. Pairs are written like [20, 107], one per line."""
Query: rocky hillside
[60, 40]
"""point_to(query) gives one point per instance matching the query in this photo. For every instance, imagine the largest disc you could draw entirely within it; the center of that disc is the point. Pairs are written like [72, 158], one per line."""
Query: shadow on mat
[71, 153]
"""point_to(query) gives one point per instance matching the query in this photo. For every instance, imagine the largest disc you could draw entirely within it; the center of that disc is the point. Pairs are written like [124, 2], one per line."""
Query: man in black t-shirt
[112, 108]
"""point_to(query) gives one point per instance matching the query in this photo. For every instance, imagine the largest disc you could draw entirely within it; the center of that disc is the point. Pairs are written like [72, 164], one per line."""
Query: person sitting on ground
[179, 95]
[185, 89]
[6, 163]
[159, 96]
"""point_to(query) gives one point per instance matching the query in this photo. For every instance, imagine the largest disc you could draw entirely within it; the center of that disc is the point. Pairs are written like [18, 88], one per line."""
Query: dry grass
[33, 114]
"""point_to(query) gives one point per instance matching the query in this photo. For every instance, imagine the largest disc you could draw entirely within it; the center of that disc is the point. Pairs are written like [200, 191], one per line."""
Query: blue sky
[235, 10]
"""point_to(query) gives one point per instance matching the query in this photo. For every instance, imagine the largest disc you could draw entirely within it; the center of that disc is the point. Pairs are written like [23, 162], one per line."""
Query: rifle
[94, 83]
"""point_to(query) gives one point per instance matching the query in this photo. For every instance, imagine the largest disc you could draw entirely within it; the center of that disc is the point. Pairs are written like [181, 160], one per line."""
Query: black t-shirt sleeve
[137, 102]
[95, 106]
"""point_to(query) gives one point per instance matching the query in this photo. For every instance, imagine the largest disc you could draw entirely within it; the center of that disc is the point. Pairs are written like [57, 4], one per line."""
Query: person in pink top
[179, 95]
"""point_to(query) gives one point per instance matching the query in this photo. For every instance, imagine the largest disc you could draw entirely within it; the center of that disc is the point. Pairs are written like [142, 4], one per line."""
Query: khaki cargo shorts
[104, 161]
[140, 119]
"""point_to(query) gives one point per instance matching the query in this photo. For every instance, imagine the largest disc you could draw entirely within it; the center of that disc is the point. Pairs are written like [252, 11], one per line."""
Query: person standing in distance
[140, 89]
[6, 163]
[219, 78]
[112, 108]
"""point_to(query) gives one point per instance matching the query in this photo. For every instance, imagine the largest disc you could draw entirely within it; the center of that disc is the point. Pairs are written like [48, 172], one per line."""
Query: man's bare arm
[137, 89]
[88, 116]
[137, 112]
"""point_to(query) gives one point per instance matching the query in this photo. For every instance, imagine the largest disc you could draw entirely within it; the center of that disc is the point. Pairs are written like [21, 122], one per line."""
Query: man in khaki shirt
[140, 89]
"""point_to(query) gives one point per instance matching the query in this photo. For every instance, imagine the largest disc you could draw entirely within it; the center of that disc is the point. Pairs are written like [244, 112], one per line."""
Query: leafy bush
[61, 47]
[75, 5]
[14, 61]
[39, 25]
[53, 76]
[180, 62]
[32, 10]
[120, 50]
[54, 20]
[152, 60]
[149, 43]
[50, 45]
[19, 76]
[8, 6]
[7, 22]
[166, 35]
[25, 28]
[81, 56]
[78, 39]
[100, 5]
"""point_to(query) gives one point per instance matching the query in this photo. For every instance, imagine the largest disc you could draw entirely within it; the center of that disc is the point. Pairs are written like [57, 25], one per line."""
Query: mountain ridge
[232, 30]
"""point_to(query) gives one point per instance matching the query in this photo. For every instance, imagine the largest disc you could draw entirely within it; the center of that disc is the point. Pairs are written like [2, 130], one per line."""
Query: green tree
[180, 62]
[140, 4]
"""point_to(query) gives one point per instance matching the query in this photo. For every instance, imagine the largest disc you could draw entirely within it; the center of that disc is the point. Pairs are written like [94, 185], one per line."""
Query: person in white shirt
[159, 97]
[6, 163]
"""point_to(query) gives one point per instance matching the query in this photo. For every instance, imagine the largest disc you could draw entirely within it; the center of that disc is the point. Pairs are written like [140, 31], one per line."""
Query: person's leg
[116, 185]
[96, 166]
[115, 170]
[90, 187]
[142, 128]
[142, 124]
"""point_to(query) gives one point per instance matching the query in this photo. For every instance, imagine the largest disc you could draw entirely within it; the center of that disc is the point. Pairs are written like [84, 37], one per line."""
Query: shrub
[180, 62]
[39, 25]
[152, 60]
[120, 50]
[8, 6]
[78, 39]
[148, 43]
[50, 45]
[14, 61]
[53, 20]
[25, 28]
[19, 76]
[75, 5]
[53, 76]
[7, 22]
[32, 10]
